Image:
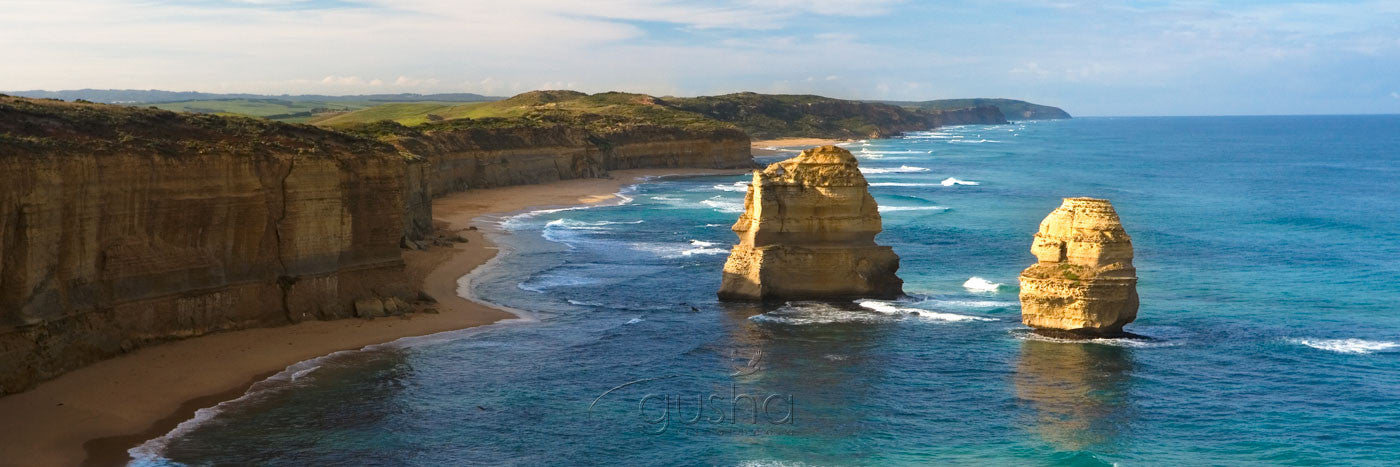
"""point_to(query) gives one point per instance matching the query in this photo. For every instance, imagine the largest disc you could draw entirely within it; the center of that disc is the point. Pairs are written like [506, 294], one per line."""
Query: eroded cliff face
[1084, 281]
[123, 227]
[468, 158]
[808, 232]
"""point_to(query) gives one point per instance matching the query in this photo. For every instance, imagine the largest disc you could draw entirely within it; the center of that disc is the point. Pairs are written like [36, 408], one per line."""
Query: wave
[1348, 346]
[950, 181]
[973, 303]
[806, 313]
[515, 222]
[1135, 342]
[545, 282]
[704, 251]
[980, 285]
[701, 244]
[973, 141]
[585, 225]
[903, 169]
[720, 204]
[741, 187]
[892, 309]
[903, 184]
[911, 208]
[633, 321]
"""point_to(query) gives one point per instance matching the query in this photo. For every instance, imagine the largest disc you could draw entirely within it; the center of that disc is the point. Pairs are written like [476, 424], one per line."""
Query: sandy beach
[94, 414]
[760, 147]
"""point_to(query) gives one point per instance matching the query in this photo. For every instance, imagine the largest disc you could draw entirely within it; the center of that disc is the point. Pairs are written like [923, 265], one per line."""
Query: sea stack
[808, 232]
[1084, 282]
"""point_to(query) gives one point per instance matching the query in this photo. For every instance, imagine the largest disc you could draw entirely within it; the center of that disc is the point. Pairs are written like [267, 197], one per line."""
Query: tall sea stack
[1084, 282]
[808, 232]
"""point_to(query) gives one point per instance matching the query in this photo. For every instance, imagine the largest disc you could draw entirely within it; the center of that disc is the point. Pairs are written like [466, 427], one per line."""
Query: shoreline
[761, 147]
[94, 414]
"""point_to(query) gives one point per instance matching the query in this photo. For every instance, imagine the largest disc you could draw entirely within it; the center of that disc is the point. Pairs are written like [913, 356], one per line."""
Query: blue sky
[1188, 57]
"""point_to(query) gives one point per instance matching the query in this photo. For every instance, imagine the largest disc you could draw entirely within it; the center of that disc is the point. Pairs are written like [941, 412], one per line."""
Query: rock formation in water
[1084, 282]
[808, 232]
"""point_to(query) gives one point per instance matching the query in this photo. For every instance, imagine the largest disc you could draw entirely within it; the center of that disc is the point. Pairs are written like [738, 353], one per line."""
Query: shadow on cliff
[1080, 394]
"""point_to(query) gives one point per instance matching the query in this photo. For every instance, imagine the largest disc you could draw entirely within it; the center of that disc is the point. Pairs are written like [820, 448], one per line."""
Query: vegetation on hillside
[760, 115]
[33, 127]
[1013, 109]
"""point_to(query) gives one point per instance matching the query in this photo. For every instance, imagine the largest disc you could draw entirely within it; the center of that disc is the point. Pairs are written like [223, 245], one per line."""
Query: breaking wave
[978, 284]
[903, 169]
[911, 208]
[892, 309]
[1348, 346]
[720, 204]
[950, 181]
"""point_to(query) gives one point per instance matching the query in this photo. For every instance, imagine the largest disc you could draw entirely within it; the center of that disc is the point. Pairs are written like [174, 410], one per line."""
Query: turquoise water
[1268, 250]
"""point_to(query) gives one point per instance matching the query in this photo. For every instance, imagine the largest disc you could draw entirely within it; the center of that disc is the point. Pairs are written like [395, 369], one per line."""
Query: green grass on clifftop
[1013, 109]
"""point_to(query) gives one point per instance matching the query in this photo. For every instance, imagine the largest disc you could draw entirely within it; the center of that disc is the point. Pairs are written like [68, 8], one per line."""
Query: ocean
[1267, 249]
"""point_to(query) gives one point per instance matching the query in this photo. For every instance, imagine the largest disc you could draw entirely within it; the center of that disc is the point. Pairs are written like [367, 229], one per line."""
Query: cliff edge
[121, 227]
[808, 232]
[1083, 281]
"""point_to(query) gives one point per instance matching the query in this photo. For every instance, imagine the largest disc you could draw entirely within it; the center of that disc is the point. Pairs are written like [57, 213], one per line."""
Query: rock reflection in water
[1080, 392]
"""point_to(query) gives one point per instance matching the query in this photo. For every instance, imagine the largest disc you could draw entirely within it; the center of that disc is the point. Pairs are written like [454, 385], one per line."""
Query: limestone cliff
[808, 232]
[1084, 281]
[464, 157]
[121, 227]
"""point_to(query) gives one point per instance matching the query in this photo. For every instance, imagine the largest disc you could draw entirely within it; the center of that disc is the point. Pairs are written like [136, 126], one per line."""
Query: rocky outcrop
[808, 232]
[465, 158]
[1084, 282]
[121, 227]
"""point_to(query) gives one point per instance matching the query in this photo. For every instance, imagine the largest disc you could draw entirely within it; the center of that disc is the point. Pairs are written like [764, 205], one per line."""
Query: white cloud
[1395, 95]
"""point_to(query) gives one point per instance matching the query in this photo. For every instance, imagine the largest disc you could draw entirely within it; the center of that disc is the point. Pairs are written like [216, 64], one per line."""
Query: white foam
[911, 208]
[973, 141]
[903, 169]
[805, 313]
[582, 225]
[740, 187]
[704, 251]
[892, 309]
[299, 374]
[950, 181]
[1113, 341]
[1349, 346]
[701, 244]
[902, 184]
[720, 204]
[634, 321]
[978, 284]
[973, 303]
[585, 303]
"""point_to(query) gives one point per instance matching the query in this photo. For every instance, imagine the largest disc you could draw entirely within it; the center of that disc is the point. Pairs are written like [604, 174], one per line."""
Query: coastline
[92, 415]
[760, 147]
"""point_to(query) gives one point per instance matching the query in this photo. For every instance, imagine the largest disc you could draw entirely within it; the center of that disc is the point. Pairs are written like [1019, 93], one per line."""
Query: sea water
[1268, 251]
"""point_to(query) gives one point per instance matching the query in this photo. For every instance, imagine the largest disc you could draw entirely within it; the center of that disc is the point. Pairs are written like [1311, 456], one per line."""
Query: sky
[1171, 57]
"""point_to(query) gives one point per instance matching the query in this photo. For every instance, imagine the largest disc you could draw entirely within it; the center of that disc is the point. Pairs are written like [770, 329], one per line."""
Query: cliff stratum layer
[123, 226]
[1084, 281]
[808, 232]
[493, 153]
